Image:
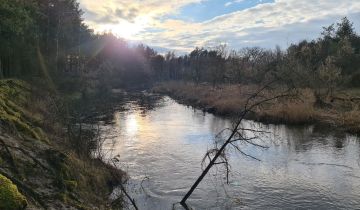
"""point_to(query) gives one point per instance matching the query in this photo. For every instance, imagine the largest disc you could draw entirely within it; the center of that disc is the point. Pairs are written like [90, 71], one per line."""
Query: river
[161, 144]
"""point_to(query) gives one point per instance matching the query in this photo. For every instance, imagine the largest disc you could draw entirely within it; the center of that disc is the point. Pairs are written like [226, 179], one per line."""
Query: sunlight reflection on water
[162, 147]
[132, 124]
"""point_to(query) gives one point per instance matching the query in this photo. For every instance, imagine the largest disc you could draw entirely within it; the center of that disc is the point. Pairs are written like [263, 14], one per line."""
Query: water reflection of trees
[146, 102]
[304, 138]
[140, 101]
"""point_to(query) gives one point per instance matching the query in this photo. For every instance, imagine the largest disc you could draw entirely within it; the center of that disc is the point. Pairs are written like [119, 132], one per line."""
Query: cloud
[266, 25]
[129, 18]
[128, 15]
[233, 2]
[131, 9]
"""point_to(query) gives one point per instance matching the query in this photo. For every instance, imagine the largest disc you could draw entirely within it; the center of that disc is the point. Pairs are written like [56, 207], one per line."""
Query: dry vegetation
[35, 155]
[341, 110]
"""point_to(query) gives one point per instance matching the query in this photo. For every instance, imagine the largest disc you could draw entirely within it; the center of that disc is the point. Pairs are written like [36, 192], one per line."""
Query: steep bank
[35, 157]
[341, 111]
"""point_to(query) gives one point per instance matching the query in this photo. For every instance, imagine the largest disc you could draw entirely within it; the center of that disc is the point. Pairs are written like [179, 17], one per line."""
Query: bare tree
[217, 155]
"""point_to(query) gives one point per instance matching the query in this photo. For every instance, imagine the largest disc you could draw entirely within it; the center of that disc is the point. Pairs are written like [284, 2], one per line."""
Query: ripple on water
[163, 149]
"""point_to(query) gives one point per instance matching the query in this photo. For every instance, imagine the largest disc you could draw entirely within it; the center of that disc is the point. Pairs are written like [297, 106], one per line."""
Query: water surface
[161, 144]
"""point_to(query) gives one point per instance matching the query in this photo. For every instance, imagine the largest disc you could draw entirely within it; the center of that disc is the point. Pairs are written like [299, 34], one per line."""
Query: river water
[161, 144]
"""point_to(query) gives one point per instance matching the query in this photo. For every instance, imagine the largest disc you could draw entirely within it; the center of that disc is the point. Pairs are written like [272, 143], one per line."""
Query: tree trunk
[203, 174]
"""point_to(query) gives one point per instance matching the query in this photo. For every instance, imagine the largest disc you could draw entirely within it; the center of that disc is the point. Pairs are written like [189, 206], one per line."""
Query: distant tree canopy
[329, 61]
[40, 37]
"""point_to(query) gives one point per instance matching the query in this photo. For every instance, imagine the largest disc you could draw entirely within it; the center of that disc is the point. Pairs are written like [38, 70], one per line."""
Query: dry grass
[92, 175]
[224, 99]
[230, 99]
[288, 112]
[14, 96]
[41, 158]
[351, 120]
[291, 111]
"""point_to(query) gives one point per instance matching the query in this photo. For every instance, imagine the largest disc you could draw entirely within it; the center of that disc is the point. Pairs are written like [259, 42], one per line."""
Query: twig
[122, 188]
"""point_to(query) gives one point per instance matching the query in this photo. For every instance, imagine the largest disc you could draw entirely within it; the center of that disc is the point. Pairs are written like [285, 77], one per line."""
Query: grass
[230, 99]
[14, 99]
[351, 120]
[290, 111]
[78, 178]
[47, 163]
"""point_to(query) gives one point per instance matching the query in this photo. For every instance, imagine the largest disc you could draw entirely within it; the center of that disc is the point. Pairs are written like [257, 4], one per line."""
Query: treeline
[49, 37]
[330, 61]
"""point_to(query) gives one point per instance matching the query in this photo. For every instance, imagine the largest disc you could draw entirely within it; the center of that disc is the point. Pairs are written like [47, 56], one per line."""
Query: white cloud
[234, 2]
[119, 9]
[128, 18]
[264, 25]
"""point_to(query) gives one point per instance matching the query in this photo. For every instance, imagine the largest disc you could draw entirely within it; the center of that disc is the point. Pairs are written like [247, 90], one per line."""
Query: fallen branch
[235, 134]
[122, 188]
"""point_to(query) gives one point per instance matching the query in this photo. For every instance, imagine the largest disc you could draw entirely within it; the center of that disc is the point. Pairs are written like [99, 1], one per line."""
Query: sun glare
[128, 30]
[132, 124]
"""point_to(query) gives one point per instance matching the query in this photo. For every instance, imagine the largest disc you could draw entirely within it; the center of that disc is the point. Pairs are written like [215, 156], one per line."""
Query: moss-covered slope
[10, 197]
[14, 97]
[36, 162]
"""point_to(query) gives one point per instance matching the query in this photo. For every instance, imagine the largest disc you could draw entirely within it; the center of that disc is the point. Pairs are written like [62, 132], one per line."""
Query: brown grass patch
[230, 99]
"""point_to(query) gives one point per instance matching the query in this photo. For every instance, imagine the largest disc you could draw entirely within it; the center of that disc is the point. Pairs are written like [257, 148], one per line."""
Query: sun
[128, 30]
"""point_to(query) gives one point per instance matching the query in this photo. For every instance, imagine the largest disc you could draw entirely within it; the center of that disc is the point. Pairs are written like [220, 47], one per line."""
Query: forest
[52, 39]
[52, 42]
[54, 70]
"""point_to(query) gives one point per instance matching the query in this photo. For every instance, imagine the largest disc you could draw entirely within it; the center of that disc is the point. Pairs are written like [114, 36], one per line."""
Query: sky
[182, 25]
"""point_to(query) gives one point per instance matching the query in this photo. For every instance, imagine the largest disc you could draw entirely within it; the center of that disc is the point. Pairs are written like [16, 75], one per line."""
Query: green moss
[71, 185]
[63, 197]
[81, 207]
[14, 95]
[16, 90]
[10, 197]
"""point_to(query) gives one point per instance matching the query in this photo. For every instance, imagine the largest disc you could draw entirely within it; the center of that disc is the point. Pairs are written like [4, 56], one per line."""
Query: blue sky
[182, 25]
[210, 9]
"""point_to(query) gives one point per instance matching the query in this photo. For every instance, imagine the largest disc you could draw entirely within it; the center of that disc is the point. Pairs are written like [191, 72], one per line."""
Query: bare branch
[253, 130]
[250, 105]
[243, 153]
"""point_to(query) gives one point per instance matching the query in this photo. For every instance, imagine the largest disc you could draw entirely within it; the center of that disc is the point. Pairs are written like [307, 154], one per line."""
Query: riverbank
[341, 111]
[39, 165]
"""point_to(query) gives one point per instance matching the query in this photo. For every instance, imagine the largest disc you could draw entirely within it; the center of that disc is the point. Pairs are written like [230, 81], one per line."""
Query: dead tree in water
[237, 135]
